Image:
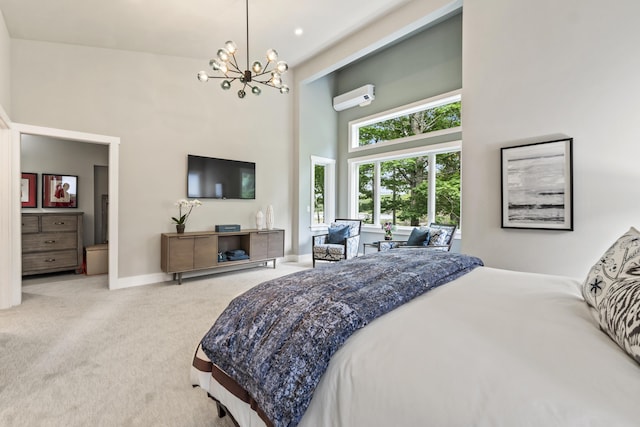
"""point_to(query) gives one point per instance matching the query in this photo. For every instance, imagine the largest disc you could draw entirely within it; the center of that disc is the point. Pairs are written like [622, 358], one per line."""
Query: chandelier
[225, 62]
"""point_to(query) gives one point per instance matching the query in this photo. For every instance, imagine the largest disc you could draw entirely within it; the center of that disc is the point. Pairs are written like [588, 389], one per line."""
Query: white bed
[492, 348]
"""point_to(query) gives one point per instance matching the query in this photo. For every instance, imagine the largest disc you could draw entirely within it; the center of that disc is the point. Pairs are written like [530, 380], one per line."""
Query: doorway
[18, 130]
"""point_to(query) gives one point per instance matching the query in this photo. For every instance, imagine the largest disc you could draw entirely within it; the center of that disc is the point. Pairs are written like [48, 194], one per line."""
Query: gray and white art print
[537, 186]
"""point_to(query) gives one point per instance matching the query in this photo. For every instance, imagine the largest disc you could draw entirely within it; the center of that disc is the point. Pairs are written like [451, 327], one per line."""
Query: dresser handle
[58, 223]
[50, 260]
[49, 241]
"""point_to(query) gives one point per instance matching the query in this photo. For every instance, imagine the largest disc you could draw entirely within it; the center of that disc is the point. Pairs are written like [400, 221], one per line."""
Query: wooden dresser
[51, 242]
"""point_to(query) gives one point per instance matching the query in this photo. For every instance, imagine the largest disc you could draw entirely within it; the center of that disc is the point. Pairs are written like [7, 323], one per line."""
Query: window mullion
[431, 211]
[376, 194]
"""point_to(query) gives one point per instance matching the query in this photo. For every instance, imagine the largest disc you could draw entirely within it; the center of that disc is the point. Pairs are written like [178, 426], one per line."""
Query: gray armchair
[341, 242]
[434, 237]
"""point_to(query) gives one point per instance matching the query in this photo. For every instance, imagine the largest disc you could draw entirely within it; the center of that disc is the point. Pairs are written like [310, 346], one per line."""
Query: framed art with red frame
[59, 191]
[28, 190]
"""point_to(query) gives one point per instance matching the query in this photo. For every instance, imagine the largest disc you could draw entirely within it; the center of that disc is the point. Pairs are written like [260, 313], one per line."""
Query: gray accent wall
[423, 65]
[318, 137]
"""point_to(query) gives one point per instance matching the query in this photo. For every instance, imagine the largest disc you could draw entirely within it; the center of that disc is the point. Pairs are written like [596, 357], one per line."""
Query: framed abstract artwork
[59, 191]
[28, 190]
[537, 185]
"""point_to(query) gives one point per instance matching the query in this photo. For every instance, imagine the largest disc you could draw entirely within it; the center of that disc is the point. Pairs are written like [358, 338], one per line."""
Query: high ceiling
[194, 28]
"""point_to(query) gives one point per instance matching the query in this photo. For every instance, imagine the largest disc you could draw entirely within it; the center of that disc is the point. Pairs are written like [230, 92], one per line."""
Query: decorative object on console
[227, 64]
[187, 206]
[269, 217]
[59, 191]
[28, 190]
[260, 220]
[537, 185]
[227, 228]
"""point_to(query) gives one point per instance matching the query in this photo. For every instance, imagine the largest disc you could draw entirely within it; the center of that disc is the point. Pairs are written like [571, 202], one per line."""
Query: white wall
[5, 71]
[161, 112]
[533, 71]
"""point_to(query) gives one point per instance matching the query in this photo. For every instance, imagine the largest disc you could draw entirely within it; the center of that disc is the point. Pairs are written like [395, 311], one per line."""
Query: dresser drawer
[49, 261]
[48, 242]
[59, 222]
[30, 224]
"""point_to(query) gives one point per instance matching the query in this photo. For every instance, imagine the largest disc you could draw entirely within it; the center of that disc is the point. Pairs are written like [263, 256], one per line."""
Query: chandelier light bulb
[282, 67]
[272, 55]
[256, 90]
[223, 54]
[226, 85]
[231, 47]
[284, 89]
[241, 94]
[256, 67]
[276, 80]
[202, 76]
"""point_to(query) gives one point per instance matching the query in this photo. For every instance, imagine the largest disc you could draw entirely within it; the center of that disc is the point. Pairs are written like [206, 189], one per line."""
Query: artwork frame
[29, 190]
[59, 191]
[537, 185]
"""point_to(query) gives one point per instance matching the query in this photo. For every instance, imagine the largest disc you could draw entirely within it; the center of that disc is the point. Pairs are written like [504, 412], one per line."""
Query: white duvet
[492, 348]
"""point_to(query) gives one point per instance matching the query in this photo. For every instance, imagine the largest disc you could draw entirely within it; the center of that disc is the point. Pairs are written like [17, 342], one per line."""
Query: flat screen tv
[211, 178]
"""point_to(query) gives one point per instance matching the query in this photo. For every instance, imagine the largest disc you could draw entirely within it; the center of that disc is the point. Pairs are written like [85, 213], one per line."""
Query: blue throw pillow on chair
[418, 236]
[338, 233]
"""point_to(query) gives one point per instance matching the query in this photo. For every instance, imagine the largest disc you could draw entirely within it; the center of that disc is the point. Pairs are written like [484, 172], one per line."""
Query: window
[435, 116]
[407, 187]
[322, 191]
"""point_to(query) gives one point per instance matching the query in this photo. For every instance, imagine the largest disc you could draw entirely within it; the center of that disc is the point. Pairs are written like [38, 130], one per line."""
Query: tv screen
[211, 178]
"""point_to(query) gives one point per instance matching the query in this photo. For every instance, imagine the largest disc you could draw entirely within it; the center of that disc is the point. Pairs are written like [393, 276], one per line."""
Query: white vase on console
[259, 220]
[269, 217]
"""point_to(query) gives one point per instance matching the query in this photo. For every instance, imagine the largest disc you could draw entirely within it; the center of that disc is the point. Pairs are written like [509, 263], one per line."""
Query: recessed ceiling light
[298, 31]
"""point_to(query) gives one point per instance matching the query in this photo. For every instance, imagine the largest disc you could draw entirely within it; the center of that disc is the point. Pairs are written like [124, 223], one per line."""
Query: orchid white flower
[188, 206]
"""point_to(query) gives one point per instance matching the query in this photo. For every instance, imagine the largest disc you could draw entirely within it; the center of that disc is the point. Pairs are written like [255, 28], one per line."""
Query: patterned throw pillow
[621, 260]
[620, 315]
[438, 237]
[612, 288]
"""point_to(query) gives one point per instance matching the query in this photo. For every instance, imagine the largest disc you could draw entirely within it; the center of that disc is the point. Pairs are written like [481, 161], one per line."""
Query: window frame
[329, 191]
[424, 104]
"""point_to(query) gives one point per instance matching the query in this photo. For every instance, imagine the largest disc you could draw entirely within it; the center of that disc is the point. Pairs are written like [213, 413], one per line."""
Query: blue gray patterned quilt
[275, 341]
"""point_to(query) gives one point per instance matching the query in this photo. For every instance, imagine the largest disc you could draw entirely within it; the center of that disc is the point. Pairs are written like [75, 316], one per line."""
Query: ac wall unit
[361, 96]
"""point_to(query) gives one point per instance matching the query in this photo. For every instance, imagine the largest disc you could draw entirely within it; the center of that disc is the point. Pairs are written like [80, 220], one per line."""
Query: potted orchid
[388, 228]
[185, 206]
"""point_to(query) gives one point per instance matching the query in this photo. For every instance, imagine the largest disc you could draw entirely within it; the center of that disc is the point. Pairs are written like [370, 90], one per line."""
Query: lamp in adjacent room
[269, 74]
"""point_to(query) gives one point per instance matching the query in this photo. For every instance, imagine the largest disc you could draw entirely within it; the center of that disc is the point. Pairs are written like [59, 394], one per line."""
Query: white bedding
[492, 348]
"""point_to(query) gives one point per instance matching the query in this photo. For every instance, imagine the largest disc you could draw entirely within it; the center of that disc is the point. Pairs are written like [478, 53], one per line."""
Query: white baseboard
[144, 279]
[149, 279]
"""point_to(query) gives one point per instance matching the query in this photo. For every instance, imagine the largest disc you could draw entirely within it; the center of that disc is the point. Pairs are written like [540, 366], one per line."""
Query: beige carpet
[77, 354]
